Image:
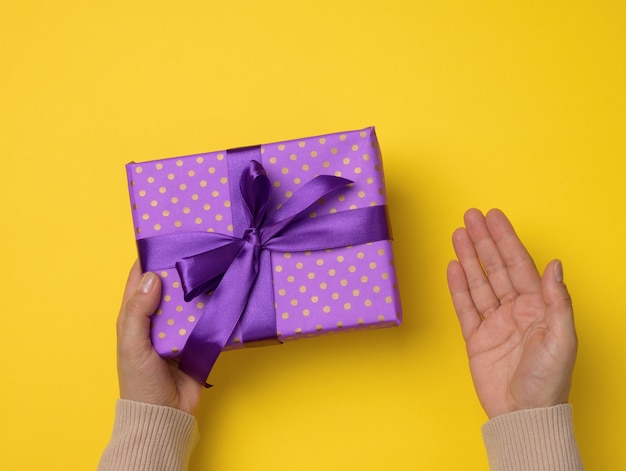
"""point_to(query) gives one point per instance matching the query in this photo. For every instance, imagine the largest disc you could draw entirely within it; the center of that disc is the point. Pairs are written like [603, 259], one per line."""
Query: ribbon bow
[238, 269]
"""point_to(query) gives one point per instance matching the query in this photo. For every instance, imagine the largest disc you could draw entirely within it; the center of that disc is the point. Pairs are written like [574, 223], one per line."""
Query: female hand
[143, 375]
[518, 326]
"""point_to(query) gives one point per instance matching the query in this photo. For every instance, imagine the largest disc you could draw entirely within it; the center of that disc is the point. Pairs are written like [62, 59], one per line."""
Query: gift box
[293, 235]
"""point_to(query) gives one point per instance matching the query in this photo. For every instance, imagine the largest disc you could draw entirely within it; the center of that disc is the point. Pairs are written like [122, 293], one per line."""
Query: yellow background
[511, 104]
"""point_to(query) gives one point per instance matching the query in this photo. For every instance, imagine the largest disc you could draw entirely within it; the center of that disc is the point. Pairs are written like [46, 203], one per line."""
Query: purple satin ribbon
[238, 268]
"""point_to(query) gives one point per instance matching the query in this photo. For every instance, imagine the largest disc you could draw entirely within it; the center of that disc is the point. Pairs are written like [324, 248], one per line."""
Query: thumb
[138, 309]
[556, 295]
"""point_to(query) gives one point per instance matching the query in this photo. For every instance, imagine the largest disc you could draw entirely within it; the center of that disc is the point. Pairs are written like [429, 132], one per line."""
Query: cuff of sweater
[533, 439]
[150, 437]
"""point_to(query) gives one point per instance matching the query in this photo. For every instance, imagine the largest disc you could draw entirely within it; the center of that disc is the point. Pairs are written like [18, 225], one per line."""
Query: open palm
[518, 326]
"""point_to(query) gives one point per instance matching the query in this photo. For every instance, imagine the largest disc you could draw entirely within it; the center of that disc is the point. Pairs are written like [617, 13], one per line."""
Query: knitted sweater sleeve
[533, 440]
[149, 437]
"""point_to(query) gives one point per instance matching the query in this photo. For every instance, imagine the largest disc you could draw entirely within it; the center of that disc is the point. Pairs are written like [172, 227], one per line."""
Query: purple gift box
[333, 272]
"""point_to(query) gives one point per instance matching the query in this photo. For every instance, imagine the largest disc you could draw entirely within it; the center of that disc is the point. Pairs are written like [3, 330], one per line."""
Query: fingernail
[147, 283]
[558, 271]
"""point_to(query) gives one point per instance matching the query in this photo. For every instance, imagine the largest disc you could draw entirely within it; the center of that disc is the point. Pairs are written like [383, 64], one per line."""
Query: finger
[139, 308]
[482, 294]
[134, 277]
[489, 256]
[519, 264]
[558, 299]
[468, 316]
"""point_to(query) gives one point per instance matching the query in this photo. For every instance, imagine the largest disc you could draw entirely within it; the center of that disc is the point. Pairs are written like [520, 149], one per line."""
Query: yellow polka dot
[179, 163]
[306, 312]
[179, 309]
[313, 153]
[223, 180]
[281, 147]
[282, 292]
[278, 268]
[182, 186]
[170, 321]
[323, 285]
[355, 147]
[301, 144]
[182, 331]
[199, 160]
[200, 305]
[332, 210]
[305, 167]
[355, 292]
[195, 197]
[145, 216]
[335, 296]
[237, 340]
[332, 272]
[346, 160]
[191, 318]
[361, 194]
[339, 324]
[326, 164]
[157, 227]
[287, 255]
[338, 173]
[358, 170]
[174, 199]
[384, 275]
[163, 274]
[176, 284]
[219, 217]
[203, 183]
[376, 289]
[138, 169]
[206, 206]
[142, 192]
[297, 181]
[351, 268]
[290, 278]
[368, 302]
[165, 213]
[315, 299]
[174, 350]
[285, 315]
[215, 193]
[161, 335]
[230, 227]
[298, 330]
[186, 210]
[299, 265]
[220, 157]
[310, 275]
[326, 309]
[307, 253]
[211, 170]
[319, 262]
[288, 194]
[360, 255]
[319, 327]
[276, 184]
[342, 197]
[381, 252]
[178, 223]
[158, 166]
[343, 282]
[381, 318]
[366, 157]
[293, 302]
[302, 289]
[363, 133]
[372, 265]
[293, 157]
[342, 137]
[388, 299]
[171, 176]
[322, 140]
[198, 220]
[272, 160]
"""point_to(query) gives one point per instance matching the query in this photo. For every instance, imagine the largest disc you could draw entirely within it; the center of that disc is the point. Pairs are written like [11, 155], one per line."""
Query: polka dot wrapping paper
[315, 292]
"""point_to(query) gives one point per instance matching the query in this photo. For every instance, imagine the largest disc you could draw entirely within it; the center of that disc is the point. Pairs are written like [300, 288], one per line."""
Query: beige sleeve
[149, 437]
[533, 440]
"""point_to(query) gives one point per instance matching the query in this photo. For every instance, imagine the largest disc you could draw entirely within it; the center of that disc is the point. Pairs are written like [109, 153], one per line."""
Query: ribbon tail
[220, 316]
